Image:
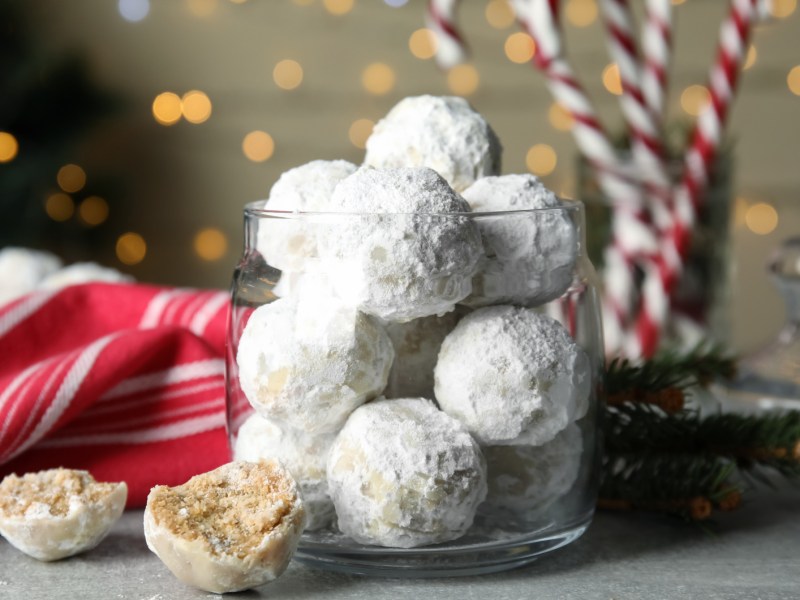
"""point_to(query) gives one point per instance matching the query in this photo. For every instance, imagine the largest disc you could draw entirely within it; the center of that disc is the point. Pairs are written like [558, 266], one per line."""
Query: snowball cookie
[304, 455]
[288, 243]
[84, 272]
[512, 376]
[227, 530]
[443, 133]
[58, 513]
[404, 474]
[308, 362]
[416, 347]
[529, 257]
[22, 269]
[527, 479]
[406, 264]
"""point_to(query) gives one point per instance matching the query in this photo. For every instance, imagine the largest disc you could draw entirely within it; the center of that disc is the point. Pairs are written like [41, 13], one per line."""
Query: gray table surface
[751, 553]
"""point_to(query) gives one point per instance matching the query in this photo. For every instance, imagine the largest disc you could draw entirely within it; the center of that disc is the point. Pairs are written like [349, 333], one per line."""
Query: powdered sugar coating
[443, 133]
[403, 256]
[288, 243]
[22, 269]
[527, 479]
[530, 257]
[404, 474]
[512, 376]
[308, 362]
[416, 346]
[304, 455]
[84, 272]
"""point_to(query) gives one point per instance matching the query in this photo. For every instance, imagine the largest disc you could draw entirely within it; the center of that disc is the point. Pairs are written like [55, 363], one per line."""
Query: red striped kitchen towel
[126, 381]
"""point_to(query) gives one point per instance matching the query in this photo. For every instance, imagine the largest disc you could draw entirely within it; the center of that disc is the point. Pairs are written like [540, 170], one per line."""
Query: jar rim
[255, 209]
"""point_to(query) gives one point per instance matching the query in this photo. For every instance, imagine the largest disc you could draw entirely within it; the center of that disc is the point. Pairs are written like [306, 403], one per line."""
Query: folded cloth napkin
[125, 381]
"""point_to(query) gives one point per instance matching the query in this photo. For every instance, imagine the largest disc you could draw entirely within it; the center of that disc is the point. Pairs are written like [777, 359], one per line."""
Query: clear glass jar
[371, 279]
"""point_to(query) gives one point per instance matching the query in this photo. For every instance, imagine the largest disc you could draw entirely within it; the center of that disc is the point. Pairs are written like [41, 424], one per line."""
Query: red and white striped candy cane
[647, 151]
[632, 235]
[657, 52]
[440, 18]
[705, 142]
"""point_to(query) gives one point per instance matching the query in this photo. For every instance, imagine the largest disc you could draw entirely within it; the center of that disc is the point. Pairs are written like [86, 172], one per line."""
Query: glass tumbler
[432, 381]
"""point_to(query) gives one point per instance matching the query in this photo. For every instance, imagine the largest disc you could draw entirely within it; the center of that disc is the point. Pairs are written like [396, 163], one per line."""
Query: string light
[559, 117]
[196, 107]
[422, 44]
[71, 178]
[463, 80]
[59, 207]
[498, 14]
[287, 74]
[93, 211]
[167, 108]
[780, 9]
[581, 13]
[338, 7]
[761, 218]
[541, 159]
[210, 244]
[258, 146]
[793, 80]
[131, 248]
[694, 98]
[133, 11]
[378, 79]
[8, 147]
[519, 47]
[359, 131]
[612, 80]
[201, 8]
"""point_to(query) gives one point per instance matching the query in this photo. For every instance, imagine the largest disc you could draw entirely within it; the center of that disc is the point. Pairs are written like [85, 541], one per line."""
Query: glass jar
[336, 316]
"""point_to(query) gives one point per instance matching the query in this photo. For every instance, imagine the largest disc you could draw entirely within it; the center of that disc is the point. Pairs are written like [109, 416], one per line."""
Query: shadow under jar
[431, 380]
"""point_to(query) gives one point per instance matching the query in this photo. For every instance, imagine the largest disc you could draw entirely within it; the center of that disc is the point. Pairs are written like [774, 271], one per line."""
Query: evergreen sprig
[661, 455]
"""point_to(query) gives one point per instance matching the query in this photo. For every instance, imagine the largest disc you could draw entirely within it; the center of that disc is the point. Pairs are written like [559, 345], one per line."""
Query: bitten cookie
[58, 513]
[227, 530]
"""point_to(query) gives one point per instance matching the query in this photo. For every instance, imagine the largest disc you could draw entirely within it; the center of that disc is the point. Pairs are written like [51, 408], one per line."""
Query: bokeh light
[8, 147]
[612, 80]
[201, 8]
[463, 80]
[287, 74]
[559, 117]
[93, 210]
[581, 13]
[422, 44]
[750, 58]
[167, 108]
[499, 14]
[196, 106]
[694, 98]
[210, 244]
[780, 9]
[131, 248]
[378, 79]
[359, 131]
[541, 159]
[677, 2]
[338, 7]
[258, 146]
[71, 178]
[519, 47]
[59, 207]
[133, 10]
[793, 80]
[761, 218]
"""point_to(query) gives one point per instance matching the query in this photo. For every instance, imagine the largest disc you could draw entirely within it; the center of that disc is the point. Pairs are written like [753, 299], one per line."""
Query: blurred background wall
[175, 113]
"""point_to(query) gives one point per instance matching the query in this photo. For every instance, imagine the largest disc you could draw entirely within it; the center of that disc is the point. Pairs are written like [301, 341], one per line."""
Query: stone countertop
[751, 553]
